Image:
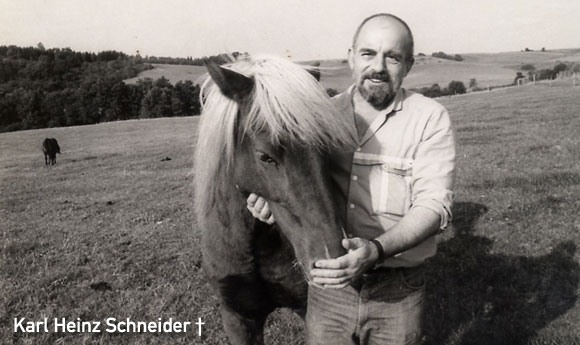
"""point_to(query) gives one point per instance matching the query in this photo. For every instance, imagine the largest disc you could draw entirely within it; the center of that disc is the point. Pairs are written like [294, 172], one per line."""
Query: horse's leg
[246, 303]
[241, 330]
[45, 159]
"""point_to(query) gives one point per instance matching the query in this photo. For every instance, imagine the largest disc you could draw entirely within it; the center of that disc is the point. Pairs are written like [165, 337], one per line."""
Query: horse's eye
[264, 157]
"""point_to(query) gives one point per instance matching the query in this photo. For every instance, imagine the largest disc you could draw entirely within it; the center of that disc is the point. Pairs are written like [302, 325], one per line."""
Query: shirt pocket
[389, 184]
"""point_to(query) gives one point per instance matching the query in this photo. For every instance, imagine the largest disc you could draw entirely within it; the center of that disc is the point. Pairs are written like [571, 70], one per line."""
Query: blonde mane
[286, 101]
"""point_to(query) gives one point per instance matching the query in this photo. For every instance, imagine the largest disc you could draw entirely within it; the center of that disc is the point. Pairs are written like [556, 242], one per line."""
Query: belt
[381, 273]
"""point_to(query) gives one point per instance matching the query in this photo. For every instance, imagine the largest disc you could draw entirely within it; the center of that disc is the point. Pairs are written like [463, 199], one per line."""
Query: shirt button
[358, 149]
[351, 205]
[355, 177]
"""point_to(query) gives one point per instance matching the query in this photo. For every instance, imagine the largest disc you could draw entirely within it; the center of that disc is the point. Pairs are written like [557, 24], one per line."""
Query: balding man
[396, 190]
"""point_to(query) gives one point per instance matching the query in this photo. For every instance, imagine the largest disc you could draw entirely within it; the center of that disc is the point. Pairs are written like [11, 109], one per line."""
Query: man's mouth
[377, 80]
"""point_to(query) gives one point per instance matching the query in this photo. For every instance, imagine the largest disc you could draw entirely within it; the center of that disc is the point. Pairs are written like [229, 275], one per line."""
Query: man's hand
[259, 208]
[342, 271]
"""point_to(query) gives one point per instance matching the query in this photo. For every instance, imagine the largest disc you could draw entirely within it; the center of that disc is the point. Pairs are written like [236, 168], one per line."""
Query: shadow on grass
[478, 297]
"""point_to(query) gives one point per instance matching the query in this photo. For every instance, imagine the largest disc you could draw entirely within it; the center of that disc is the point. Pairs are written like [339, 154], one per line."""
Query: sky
[299, 29]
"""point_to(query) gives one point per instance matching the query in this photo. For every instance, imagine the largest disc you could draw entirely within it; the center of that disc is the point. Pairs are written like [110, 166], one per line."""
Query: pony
[267, 127]
[50, 148]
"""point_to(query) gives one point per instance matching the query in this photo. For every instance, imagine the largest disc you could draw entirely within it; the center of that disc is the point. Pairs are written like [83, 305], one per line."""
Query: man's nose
[379, 64]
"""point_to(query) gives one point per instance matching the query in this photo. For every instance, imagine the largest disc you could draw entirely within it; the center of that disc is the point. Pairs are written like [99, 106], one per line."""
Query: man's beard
[380, 95]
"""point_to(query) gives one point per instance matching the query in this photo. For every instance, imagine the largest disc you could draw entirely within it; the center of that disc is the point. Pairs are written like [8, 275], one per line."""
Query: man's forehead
[382, 28]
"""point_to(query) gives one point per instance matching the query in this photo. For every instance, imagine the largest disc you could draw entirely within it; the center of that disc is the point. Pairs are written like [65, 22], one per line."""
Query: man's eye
[264, 157]
[393, 60]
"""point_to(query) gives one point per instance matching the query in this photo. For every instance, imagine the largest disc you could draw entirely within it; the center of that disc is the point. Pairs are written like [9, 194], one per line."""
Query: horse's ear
[314, 71]
[232, 84]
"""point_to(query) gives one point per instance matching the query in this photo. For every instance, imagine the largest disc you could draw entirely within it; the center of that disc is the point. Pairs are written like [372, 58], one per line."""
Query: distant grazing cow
[50, 148]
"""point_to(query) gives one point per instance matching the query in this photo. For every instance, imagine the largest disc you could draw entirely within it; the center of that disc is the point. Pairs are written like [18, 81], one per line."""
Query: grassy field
[488, 69]
[109, 232]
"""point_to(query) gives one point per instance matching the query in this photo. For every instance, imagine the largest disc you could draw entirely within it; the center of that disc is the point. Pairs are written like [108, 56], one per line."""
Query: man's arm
[433, 176]
[417, 225]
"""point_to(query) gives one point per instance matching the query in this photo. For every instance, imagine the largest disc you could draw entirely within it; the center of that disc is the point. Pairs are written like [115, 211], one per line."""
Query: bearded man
[395, 191]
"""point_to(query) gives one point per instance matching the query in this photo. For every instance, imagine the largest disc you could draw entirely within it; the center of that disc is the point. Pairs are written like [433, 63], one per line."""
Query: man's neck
[364, 112]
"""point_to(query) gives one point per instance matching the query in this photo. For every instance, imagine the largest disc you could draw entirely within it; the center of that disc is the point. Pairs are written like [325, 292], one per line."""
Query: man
[396, 189]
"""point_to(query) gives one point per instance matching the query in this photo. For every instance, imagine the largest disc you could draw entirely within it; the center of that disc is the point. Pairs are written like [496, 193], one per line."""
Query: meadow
[109, 231]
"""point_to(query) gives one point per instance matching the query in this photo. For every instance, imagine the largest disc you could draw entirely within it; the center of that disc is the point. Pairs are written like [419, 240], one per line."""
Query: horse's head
[284, 128]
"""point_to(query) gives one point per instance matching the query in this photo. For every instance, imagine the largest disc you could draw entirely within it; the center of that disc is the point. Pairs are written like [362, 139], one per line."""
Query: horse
[50, 148]
[268, 127]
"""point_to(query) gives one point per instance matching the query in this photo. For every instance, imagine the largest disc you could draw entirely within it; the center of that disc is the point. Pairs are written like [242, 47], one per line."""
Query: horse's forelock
[294, 106]
[287, 102]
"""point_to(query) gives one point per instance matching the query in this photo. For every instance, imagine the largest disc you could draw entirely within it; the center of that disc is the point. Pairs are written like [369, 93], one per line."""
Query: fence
[563, 78]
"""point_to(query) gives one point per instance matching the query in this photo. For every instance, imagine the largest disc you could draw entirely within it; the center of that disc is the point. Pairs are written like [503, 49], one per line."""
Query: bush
[527, 67]
[561, 67]
[442, 55]
[432, 91]
[456, 87]
[519, 76]
[472, 83]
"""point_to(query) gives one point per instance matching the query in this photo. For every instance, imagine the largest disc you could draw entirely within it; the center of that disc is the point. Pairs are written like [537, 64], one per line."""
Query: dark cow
[50, 148]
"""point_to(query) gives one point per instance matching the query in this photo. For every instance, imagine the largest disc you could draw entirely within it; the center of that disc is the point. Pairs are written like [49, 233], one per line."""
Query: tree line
[454, 87]
[546, 73]
[60, 87]
[220, 59]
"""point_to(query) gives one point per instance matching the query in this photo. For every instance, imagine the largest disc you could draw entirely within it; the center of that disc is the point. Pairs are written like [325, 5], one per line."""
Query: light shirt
[405, 159]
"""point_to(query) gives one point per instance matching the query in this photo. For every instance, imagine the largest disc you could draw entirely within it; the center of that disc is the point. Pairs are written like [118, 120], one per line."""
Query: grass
[508, 271]
[109, 232]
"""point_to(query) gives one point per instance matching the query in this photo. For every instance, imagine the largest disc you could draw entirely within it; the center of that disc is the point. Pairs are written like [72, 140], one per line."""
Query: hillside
[109, 230]
[489, 69]
[173, 73]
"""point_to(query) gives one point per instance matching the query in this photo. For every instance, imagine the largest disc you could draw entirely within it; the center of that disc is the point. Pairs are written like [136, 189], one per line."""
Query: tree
[456, 87]
[561, 67]
[519, 76]
[188, 95]
[472, 83]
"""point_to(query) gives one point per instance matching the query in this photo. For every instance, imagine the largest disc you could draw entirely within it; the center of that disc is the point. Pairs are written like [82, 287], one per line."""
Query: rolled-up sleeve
[434, 167]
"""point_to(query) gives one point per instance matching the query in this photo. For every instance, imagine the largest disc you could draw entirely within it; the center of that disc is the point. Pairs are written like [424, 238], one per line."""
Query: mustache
[378, 76]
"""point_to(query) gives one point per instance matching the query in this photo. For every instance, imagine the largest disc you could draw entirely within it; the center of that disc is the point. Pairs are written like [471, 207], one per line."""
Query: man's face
[379, 61]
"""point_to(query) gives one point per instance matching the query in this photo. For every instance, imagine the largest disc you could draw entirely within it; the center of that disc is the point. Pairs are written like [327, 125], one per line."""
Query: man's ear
[351, 58]
[409, 65]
